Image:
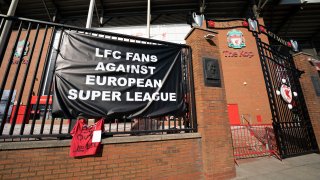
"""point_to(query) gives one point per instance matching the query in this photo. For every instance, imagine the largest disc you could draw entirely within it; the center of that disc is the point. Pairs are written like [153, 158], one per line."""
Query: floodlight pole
[148, 20]
[4, 36]
[90, 14]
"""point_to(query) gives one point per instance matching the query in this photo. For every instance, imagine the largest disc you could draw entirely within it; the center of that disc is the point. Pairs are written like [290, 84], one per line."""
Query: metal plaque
[211, 72]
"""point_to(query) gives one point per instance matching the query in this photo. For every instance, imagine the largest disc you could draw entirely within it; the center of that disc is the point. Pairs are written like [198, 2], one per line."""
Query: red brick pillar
[211, 105]
[302, 62]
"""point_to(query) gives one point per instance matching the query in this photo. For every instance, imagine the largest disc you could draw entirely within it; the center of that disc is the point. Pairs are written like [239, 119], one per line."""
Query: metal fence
[253, 141]
[28, 50]
[291, 120]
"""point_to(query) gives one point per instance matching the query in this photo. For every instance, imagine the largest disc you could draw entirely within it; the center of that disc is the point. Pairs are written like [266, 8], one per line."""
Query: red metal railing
[253, 141]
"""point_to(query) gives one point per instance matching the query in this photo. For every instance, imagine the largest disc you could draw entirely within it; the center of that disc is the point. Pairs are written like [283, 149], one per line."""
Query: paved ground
[306, 167]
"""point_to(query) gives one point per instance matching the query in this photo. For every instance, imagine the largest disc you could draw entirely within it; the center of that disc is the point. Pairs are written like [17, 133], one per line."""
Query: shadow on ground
[306, 167]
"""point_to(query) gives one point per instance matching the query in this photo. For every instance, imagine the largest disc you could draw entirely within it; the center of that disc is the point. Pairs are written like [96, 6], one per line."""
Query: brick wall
[211, 107]
[301, 61]
[169, 159]
[244, 82]
[208, 157]
[25, 59]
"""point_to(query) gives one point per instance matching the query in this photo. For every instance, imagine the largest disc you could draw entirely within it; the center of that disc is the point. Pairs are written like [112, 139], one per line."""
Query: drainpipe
[90, 14]
[4, 38]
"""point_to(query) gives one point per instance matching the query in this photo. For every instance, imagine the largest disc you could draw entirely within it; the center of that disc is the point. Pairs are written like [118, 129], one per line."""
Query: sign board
[98, 77]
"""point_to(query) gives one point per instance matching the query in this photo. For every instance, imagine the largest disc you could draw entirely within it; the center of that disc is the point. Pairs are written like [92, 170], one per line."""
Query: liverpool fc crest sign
[235, 39]
[286, 93]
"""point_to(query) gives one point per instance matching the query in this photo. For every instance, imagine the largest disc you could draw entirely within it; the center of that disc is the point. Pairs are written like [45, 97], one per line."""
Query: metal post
[148, 20]
[4, 35]
[13, 7]
[90, 14]
[255, 11]
[101, 18]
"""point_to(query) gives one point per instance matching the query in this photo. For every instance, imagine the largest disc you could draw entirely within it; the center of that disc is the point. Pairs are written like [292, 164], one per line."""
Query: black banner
[98, 77]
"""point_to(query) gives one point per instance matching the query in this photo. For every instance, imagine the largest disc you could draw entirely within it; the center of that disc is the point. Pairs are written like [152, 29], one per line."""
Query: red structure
[233, 113]
[29, 112]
